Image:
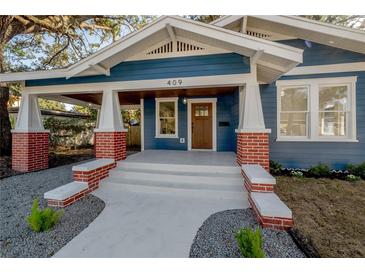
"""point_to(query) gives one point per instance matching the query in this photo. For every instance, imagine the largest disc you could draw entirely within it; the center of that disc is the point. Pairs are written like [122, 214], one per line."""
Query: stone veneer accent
[30, 151]
[111, 145]
[253, 148]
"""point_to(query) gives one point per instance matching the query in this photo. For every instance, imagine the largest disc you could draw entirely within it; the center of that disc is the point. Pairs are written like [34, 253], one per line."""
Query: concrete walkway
[146, 222]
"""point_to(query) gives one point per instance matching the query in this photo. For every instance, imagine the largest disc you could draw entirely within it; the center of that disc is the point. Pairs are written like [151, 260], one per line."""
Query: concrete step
[196, 193]
[179, 184]
[182, 177]
[190, 169]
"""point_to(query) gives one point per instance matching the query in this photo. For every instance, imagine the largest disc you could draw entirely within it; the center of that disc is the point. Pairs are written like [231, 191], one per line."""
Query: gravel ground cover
[216, 237]
[16, 197]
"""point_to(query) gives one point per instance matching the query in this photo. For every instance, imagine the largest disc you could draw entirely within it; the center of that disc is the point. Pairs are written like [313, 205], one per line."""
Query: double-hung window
[320, 109]
[166, 118]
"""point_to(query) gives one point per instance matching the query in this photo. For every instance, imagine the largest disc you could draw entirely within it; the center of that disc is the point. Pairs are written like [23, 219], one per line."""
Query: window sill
[317, 140]
[167, 136]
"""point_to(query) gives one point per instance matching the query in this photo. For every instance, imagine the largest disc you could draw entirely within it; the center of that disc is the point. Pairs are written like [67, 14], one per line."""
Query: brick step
[271, 211]
[257, 179]
[67, 194]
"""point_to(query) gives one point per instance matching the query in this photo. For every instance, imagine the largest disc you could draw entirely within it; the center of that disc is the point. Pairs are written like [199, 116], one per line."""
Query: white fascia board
[29, 75]
[239, 39]
[333, 68]
[137, 85]
[307, 81]
[226, 20]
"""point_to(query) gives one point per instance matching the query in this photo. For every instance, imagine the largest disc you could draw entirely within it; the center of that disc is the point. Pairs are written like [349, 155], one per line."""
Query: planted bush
[321, 170]
[275, 168]
[357, 170]
[352, 178]
[297, 173]
[42, 220]
[250, 243]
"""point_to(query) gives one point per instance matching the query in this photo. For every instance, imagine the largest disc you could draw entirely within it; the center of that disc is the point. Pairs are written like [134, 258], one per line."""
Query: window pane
[167, 126]
[293, 124]
[167, 109]
[201, 111]
[294, 99]
[333, 98]
[332, 123]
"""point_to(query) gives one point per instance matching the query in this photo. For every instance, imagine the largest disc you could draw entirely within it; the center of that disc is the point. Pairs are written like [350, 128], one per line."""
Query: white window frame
[313, 108]
[157, 117]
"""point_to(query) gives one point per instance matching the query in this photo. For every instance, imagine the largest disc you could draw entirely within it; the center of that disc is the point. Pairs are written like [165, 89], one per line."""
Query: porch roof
[273, 59]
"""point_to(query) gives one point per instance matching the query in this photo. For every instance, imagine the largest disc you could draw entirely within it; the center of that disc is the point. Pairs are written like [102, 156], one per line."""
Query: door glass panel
[201, 111]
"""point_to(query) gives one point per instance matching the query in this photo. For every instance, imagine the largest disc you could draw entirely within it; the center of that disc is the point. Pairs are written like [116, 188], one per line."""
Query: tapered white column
[110, 135]
[250, 110]
[29, 115]
[110, 117]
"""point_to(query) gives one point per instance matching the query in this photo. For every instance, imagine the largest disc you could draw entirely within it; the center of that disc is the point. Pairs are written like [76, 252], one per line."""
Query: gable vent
[177, 46]
[182, 46]
[166, 48]
[258, 34]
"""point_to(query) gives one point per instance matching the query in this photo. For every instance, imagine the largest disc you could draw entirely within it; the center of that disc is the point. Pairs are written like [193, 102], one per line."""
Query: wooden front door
[202, 125]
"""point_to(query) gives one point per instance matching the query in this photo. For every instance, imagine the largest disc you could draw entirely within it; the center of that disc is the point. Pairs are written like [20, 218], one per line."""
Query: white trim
[142, 123]
[187, 82]
[213, 101]
[313, 85]
[333, 68]
[175, 100]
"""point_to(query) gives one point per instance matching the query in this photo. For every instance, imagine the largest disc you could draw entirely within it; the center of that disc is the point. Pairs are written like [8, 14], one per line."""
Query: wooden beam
[254, 58]
[171, 32]
[244, 25]
[101, 69]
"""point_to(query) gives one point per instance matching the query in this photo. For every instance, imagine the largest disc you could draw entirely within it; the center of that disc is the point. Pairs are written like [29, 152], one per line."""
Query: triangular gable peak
[176, 48]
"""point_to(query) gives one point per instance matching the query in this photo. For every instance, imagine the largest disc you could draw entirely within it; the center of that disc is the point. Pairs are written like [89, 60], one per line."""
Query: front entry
[202, 125]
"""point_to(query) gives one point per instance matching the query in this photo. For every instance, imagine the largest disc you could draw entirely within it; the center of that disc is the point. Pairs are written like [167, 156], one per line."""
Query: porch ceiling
[133, 97]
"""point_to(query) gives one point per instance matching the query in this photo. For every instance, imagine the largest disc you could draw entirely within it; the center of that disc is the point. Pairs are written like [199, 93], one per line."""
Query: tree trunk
[5, 127]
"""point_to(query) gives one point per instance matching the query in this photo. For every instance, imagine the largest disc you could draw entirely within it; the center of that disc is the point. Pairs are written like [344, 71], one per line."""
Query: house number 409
[176, 82]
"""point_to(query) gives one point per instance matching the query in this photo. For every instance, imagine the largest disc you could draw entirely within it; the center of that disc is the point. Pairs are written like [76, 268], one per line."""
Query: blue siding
[203, 65]
[306, 154]
[226, 112]
[319, 54]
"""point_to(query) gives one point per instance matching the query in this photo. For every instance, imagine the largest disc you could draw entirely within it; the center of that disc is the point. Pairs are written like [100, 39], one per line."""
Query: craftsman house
[265, 87]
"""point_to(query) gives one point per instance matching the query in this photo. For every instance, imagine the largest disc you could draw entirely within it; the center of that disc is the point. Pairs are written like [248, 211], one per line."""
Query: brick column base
[112, 145]
[253, 148]
[30, 151]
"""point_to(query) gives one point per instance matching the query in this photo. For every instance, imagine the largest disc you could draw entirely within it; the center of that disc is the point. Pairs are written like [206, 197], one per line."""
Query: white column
[110, 117]
[251, 117]
[29, 115]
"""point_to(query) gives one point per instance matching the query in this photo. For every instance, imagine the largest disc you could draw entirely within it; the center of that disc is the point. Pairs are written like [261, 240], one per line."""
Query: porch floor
[182, 157]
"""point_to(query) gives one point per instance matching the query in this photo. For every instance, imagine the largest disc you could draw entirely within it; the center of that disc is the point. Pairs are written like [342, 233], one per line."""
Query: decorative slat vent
[258, 34]
[182, 46]
[178, 46]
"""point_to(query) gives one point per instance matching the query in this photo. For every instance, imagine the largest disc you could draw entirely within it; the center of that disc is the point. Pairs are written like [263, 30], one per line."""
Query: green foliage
[352, 178]
[250, 243]
[86, 110]
[50, 104]
[321, 170]
[357, 170]
[275, 168]
[69, 132]
[42, 220]
[297, 173]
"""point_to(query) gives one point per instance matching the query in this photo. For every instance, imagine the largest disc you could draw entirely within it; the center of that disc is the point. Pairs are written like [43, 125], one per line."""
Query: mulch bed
[329, 215]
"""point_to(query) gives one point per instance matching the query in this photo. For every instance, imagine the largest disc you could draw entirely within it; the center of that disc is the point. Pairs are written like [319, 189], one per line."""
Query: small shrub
[321, 170]
[297, 173]
[275, 168]
[43, 220]
[352, 178]
[250, 243]
[357, 170]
